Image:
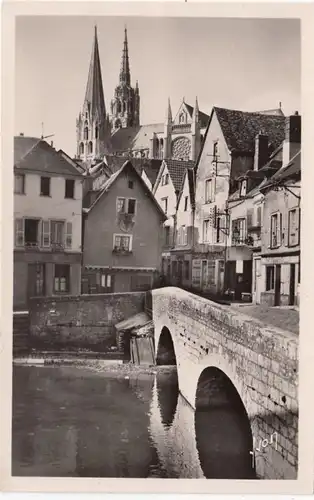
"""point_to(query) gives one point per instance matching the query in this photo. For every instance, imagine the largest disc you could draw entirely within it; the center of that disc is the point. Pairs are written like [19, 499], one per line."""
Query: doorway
[292, 285]
[36, 282]
[204, 274]
[277, 285]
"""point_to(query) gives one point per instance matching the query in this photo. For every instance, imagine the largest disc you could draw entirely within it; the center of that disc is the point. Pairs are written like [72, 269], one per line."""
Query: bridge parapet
[260, 360]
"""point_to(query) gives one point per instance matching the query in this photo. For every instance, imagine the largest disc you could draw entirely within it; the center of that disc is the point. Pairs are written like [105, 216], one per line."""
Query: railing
[247, 241]
[121, 251]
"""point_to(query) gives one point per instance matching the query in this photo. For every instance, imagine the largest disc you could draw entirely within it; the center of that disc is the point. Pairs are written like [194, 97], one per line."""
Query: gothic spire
[94, 96]
[125, 67]
[168, 112]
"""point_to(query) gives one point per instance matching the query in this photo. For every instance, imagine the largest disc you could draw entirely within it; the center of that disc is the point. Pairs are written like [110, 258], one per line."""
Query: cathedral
[119, 132]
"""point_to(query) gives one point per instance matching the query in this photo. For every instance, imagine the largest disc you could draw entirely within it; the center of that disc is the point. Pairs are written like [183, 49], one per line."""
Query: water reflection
[167, 392]
[79, 423]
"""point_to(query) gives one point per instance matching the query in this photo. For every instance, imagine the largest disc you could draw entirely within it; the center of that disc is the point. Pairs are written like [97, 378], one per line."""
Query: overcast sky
[246, 64]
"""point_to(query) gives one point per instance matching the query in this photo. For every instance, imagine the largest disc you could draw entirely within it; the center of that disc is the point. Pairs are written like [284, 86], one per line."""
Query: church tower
[92, 125]
[125, 106]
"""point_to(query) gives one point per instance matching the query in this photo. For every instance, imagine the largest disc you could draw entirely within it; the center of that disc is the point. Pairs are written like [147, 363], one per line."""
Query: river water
[75, 422]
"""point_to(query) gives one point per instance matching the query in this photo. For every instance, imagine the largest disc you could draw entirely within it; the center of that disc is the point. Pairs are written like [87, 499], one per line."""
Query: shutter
[19, 232]
[68, 235]
[259, 216]
[249, 218]
[298, 225]
[46, 233]
[279, 230]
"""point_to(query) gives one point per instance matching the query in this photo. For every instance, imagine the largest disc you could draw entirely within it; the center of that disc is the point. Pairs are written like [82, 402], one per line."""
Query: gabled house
[48, 221]
[122, 237]
[280, 235]
[228, 151]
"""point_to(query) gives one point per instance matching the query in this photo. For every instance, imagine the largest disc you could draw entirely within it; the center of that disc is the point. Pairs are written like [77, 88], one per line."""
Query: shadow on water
[222, 428]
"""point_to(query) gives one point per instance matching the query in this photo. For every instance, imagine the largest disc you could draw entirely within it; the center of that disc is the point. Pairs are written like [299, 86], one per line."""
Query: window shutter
[46, 233]
[19, 232]
[298, 225]
[249, 218]
[279, 229]
[68, 235]
[259, 216]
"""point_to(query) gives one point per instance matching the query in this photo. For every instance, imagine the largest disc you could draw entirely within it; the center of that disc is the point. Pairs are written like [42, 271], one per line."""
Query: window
[182, 236]
[19, 184]
[86, 132]
[243, 188]
[69, 188]
[130, 184]
[186, 270]
[238, 231]
[215, 149]
[218, 239]
[186, 202]
[209, 191]
[45, 186]
[19, 232]
[62, 278]
[122, 243]
[164, 202]
[258, 216]
[31, 232]
[165, 179]
[126, 206]
[96, 132]
[206, 231]
[90, 147]
[105, 281]
[81, 148]
[270, 278]
[131, 206]
[275, 230]
[167, 235]
[249, 218]
[293, 235]
[56, 233]
[68, 235]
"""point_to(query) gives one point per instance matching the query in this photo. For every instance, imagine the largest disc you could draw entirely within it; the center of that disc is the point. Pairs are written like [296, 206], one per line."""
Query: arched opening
[161, 148]
[117, 124]
[90, 147]
[165, 352]
[81, 148]
[124, 106]
[157, 148]
[96, 132]
[86, 132]
[119, 107]
[222, 428]
[167, 379]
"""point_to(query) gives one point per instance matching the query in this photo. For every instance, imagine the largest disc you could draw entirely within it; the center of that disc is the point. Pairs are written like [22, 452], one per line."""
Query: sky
[246, 64]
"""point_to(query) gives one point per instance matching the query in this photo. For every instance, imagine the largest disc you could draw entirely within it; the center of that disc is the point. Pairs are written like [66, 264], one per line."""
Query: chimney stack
[51, 144]
[292, 142]
[261, 151]
[21, 134]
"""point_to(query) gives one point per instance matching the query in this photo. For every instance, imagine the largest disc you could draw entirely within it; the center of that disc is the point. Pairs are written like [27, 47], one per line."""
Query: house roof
[37, 155]
[275, 111]
[109, 182]
[289, 171]
[241, 127]
[189, 172]
[137, 138]
[177, 169]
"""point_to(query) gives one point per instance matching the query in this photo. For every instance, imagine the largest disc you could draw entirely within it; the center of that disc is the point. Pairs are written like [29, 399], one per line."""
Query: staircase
[20, 333]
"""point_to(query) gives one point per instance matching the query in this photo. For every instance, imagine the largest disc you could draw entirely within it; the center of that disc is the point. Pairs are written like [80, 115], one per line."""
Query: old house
[227, 153]
[48, 221]
[167, 191]
[280, 235]
[122, 235]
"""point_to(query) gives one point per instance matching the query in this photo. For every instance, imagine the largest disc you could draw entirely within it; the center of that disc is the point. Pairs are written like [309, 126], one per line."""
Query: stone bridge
[229, 360]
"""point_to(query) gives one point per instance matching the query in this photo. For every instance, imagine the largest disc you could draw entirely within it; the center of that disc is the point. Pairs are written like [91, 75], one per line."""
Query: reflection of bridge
[225, 359]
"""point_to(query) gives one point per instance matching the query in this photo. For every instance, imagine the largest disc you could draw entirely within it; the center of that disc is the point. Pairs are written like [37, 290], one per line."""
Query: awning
[121, 268]
[136, 321]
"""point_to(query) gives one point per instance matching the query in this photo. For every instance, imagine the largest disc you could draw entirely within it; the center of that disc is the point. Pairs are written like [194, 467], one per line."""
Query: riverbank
[110, 368]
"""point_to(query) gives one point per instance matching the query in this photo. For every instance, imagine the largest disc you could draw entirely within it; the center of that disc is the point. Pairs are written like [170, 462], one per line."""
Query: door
[257, 281]
[277, 285]
[204, 274]
[221, 276]
[292, 285]
[180, 272]
[36, 280]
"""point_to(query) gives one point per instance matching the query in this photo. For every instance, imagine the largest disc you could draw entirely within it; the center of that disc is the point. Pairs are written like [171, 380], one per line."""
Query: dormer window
[243, 187]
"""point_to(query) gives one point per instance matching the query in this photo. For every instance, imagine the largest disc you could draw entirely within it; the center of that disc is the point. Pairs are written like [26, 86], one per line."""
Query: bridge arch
[166, 352]
[222, 428]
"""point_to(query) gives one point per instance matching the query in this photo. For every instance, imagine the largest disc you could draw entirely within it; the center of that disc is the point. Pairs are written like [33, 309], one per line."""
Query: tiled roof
[291, 170]
[134, 137]
[37, 155]
[202, 116]
[240, 129]
[177, 169]
[106, 185]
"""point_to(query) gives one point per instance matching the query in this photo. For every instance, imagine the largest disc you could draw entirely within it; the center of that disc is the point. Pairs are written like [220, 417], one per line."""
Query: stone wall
[260, 361]
[85, 321]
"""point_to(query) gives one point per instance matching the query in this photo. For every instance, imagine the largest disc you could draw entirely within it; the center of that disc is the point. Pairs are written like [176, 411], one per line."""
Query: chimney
[21, 134]
[261, 151]
[292, 142]
[51, 144]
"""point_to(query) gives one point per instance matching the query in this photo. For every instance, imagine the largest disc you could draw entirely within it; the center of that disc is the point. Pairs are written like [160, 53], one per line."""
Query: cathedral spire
[94, 96]
[125, 67]
[168, 112]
